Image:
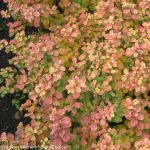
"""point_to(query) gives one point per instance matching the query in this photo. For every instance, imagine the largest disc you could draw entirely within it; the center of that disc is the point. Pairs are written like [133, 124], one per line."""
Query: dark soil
[8, 121]
[4, 57]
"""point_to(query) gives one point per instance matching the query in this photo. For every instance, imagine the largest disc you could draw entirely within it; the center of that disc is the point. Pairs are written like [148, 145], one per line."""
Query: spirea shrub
[87, 78]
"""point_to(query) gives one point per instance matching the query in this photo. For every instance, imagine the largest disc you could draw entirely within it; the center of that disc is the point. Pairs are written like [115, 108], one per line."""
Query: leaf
[47, 57]
[117, 119]
[120, 111]
[19, 1]
[1, 80]
[75, 144]
[60, 85]
[16, 103]
[87, 101]
[28, 88]
[107, 95]
[101, 39]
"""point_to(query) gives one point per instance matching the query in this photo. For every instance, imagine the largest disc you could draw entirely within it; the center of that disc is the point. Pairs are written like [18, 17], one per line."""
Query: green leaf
[117, 119]
[12, 83]
[28, 88]
[1, 80]
[101, 39]
[87, 101]
[107, 95]
[16, 103]
[60, 85]
[120, 111]
[19, 1]
[47, 57]
[75, 143]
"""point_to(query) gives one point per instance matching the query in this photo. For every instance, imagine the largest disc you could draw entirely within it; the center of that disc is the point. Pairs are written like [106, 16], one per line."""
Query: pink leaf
[67, 137]
[48, 100]
[3, 136]
[133, 122]
[20, 86]
[36, 14]
[66, 122]
[62, 133]
[61, 112]
[127, 144]
[10, 137]
[93, 127]
[58, 95]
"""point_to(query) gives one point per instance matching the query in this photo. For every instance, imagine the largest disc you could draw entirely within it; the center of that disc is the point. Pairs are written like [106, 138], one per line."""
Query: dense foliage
[86, 71]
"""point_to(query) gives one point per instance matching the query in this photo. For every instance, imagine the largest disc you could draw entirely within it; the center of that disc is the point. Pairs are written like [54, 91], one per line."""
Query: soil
[9, 115]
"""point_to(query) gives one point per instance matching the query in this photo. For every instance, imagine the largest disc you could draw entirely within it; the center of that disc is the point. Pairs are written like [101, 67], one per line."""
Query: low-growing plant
[87, 78]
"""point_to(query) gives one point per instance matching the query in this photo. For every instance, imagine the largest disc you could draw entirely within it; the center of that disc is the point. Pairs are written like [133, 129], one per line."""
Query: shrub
[87, 78]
